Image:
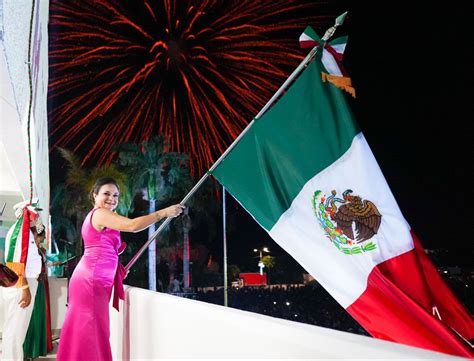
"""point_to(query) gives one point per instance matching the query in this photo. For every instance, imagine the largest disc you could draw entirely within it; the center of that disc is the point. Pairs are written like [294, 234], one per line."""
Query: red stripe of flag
[397, 306]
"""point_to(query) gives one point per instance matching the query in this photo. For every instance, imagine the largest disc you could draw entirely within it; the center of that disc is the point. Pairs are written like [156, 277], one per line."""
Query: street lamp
[260, 252]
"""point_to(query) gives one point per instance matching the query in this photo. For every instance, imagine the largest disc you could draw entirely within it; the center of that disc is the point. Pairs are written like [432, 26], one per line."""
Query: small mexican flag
[18, 236]
[305, 172]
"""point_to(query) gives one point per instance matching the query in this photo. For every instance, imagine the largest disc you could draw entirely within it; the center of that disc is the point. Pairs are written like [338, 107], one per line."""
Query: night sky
[412, 70]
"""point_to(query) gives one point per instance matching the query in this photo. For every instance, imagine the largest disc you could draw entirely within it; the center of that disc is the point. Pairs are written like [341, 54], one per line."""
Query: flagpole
[280, 91]
[224, 241]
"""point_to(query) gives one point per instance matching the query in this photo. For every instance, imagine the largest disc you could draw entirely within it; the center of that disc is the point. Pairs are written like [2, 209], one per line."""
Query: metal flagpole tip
[340, 19]
[330, 32]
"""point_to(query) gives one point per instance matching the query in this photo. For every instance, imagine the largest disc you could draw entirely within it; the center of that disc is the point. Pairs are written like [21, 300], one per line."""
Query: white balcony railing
[157, 326]
[153, 325]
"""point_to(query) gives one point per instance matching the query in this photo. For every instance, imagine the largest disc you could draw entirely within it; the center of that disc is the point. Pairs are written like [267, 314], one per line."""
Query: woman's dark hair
[99, 183]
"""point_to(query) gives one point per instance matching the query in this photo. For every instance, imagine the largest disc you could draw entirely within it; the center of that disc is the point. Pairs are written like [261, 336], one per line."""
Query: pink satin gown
[86, 330]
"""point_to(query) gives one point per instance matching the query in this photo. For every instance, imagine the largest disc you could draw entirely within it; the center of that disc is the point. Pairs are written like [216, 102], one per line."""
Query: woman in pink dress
[86, 329]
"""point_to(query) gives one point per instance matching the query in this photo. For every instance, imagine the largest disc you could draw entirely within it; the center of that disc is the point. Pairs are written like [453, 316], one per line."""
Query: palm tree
[63, 229]
[205, 211]
[161, 173]
[71, 199]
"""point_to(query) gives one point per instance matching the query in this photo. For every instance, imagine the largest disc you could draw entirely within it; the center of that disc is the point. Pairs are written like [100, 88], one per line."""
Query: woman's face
[107, 197]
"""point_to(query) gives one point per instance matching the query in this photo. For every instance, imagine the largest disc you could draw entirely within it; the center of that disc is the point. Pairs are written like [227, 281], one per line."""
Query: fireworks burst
[195, 71]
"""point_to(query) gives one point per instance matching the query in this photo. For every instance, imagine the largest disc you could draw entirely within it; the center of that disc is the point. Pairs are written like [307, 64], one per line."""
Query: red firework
[195, 71]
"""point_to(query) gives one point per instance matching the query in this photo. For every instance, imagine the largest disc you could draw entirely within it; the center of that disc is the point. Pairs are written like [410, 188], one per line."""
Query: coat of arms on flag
[347, 221]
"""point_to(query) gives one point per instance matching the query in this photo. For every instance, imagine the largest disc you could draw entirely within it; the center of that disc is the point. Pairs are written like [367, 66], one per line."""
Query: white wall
[58, 301]
[15, 96]
[158, 326]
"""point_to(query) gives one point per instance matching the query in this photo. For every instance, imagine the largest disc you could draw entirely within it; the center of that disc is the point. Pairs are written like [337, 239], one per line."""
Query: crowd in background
[308, 304]
[311, 303]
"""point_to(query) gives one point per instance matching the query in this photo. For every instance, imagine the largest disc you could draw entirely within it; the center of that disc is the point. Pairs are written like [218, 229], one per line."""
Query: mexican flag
[305, 172]
[18, 236]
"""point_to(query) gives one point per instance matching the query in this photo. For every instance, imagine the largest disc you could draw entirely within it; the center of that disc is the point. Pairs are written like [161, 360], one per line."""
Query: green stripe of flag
[13, 239]
[308, 129]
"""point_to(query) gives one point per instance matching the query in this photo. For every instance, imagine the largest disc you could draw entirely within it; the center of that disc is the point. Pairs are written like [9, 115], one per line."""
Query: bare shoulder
[104, 217]
[100, 217]
[101, 213]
